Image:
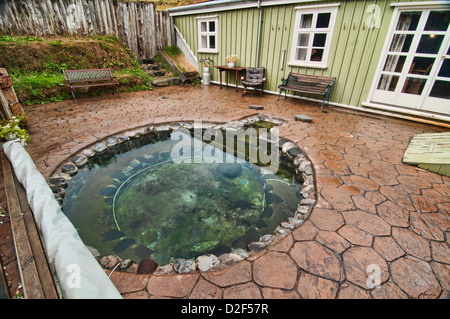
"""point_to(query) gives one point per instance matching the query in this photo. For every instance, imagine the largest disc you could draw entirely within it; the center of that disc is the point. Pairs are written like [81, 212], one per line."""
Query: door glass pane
[408, 21]
[394, 63]
[401, 43]
[445, 69]
[212, 26]
[303, 40]
[421, 65]
[319, 40]
[316, 54]
[212, 42]
[438, 21]
[414, 86]
[300, 54]
[203, 26]
[441, 89]
[323, 20]
[388, 82]
[306, 21]
[430, 43]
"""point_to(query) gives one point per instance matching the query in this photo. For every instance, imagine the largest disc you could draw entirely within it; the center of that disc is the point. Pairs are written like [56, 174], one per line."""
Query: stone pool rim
[294, 153]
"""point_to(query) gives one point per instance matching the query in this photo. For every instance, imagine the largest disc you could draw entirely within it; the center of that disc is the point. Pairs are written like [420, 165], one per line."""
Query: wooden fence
[137, 23]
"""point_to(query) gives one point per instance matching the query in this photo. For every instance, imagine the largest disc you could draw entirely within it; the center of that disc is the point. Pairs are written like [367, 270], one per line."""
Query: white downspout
[259, 33]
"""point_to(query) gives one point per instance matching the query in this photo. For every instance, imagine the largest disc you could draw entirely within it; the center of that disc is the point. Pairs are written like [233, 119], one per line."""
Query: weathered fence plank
[136, 23]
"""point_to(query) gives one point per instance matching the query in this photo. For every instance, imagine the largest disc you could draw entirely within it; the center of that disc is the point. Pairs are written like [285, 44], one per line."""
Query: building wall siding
[354, 54]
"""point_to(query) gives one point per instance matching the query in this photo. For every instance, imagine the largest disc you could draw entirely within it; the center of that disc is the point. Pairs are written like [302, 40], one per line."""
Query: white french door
[416, 66]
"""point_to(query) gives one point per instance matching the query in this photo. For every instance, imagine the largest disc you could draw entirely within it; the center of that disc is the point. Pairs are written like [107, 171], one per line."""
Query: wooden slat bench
[37, 281]
[312, 84]
[89, 78]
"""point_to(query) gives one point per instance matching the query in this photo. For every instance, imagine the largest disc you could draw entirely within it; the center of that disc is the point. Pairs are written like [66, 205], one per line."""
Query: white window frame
[314, 10]
[208, 34]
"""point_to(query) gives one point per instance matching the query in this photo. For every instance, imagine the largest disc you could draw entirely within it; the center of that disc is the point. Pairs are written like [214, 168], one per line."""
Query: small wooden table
[228, 69]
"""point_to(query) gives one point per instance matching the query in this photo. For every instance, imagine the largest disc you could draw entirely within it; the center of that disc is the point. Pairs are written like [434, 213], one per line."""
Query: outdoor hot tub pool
[152, 197]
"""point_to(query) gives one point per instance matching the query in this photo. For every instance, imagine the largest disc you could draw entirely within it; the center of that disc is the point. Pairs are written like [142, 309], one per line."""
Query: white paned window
[312, 35]
[207, 34]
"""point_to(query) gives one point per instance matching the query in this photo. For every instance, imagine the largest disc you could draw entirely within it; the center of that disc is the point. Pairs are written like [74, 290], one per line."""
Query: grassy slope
[36, 64]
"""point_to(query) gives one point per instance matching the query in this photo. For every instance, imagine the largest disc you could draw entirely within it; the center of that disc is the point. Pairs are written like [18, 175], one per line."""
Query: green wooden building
[389, 57]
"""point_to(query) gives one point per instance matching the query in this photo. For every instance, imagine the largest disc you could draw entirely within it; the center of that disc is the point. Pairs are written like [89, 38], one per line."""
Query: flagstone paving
[371, 208]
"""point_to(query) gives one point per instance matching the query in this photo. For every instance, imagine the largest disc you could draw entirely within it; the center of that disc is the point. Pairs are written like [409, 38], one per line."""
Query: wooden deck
[4, 294]
[430, 151]
[35, 273]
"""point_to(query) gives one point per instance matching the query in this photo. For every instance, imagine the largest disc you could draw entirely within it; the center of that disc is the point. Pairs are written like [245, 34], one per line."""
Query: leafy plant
[14, 128]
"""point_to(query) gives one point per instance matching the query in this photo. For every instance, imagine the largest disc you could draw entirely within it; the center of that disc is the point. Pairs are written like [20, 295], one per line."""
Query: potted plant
[231, 60]
[14, 128]
[206, 77]
[206, 64]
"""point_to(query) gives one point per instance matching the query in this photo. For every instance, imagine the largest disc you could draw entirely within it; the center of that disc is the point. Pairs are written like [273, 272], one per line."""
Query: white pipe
[258, 46]
[77, 272]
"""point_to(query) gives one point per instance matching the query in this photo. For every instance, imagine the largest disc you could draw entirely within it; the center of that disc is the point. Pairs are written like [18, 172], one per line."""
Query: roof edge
[223, 5]
[205, 5]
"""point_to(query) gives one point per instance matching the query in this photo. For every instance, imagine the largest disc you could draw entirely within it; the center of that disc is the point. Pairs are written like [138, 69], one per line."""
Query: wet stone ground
[371, 210]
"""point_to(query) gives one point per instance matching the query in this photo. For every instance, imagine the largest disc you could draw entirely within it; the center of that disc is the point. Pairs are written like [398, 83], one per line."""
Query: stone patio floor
[371, 208]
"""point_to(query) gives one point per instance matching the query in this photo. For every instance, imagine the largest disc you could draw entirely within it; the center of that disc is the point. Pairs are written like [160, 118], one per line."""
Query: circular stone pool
[139, 197]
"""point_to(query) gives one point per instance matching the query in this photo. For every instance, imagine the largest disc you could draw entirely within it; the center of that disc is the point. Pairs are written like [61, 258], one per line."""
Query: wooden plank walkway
[430, 151]
[4, 294]
[35, 273]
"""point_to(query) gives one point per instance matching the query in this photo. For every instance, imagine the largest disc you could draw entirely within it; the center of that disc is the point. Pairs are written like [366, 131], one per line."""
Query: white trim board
[370, 108]
[184, 47]
[196, 9]
[420, 4]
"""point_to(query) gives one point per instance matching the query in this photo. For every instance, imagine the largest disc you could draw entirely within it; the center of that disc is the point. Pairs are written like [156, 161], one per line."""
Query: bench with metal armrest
[89, 78]
[311, 84]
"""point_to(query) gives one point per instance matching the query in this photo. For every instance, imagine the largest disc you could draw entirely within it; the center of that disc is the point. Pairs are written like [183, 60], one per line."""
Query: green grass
[163, 63]
[49, 86]
[173, 52]
[36, 86]
[36, 65]
[19, 40]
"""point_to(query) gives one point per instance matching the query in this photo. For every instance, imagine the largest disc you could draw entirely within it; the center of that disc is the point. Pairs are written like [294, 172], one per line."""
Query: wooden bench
[312, 84]
[35, 273]
[89, 78]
